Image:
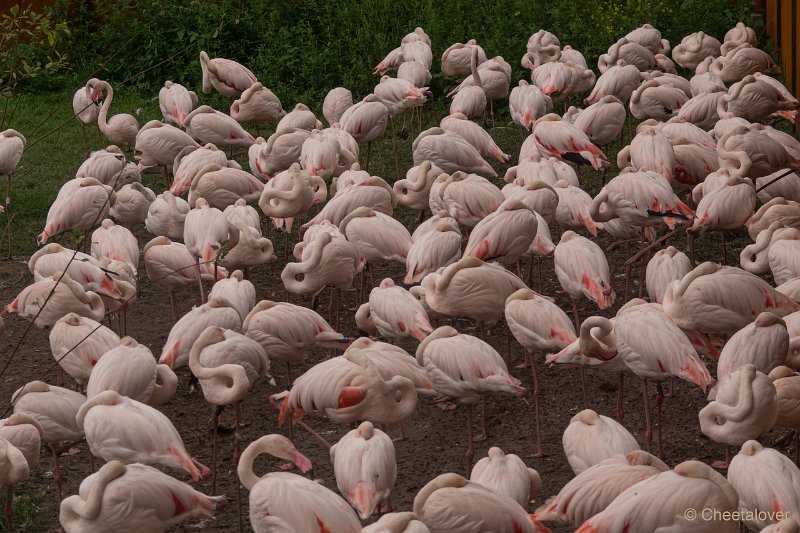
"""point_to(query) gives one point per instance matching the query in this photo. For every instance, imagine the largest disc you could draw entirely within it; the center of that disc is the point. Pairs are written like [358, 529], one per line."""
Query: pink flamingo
[301, 117]
[694, 48]
[68, 296]
[504, 235]
[211, 126]
[335, 104]
[438, 247]
[166, 216]
[787, 387]
[135, 496]
[158, 144]
[365, 468]
[555, 137]
[288, 501]
[85, 110]
[290, 194]
[457, 58]
[257, 104]
[78, 343]
[475, 135]
[366, 121]
[508, 475]
[664, 267]
[121, 129]
[116, 243]
[468, 198]
[449, 151]
[227, 77]
[541, 327]
[204, 230]
[691, 484]
[465, 369]
[471, 100]
[394, 313]
[591, 438]
[631, 52]
[176, 102]
[241, 293]
[595, 488]
[118, 428]
[619, 80]
[79, 209]
[406, 522]
[527, 103]
[132, 204]
[190, 161]
[764, 343]
[655, 100]
[223, 186]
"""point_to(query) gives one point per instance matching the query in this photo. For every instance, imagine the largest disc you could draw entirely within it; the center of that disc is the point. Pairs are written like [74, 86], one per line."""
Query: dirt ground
[436, 438]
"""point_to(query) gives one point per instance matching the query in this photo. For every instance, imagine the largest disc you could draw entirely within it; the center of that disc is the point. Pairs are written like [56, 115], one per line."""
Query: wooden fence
[783, 27]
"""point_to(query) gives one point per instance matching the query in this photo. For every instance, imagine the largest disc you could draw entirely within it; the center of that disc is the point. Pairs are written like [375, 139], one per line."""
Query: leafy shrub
[302, 48]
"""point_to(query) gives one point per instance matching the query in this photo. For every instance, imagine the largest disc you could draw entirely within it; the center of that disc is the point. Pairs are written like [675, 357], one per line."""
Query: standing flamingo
[176, 102]
[507, 475]
[78, 343]
[118, 428]
[257, 104]
[212, 126]
[85, 110]
[12, 144]
[394, 313]
[466, 369]
[591, 438]
[366, 121]
[121, 129]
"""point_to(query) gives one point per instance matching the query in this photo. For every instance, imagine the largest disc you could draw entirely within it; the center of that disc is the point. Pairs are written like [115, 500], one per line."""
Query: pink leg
[575, 315]
[659, 402]
[470, 448]
[724, 249]
[200, 283]
[9, 510]
[56, 473]
[648, 432]
[539, 452]
[485, 426]
[508, 346]
[174, 307]
[583, 386]
[214, 453]
[723, 465]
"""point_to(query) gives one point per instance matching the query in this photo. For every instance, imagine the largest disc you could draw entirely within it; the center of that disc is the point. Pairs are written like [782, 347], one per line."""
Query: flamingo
[377, 237]
[504, 235]
[754, 99]
[394, 313]
[745, 407]
[121, 129]
[212, 126]
[291, 503]
[694, 48]
[406, 522]
[450, 503]
[81, 268]
[787, 387]
[289, 332]
[470, 100]
[247, 247]
[591, 491]
[774, 251]
[434, 249]
[290, 194]
[468, 198]
[391, 360]
[582, 269]
[527, 103]
[650, 150]
[466, 369]
[366, 121]
[241, 293]
[24, 432]
[227, 364]
[414, 191]
[223, 186]
[325, 261]
[158, 144]
[471, 288]
[13, 469]
[132, 204]
[602, 121]
[631, 52]
[544, 45]
[738, 62]
[46, 301]
[650, 38]
[555, 137]
[764, 343]
[701, 109]
[130, 369]
[372, 192]
[335, 104]
[450, 152]
[738, 35]
[507, 475]
[12, 145]
[106, 166]
[54, 408]
[118, 428]
[540, 326]
[664, 267]
[660, 501]
[216, 312]
[227, 77]
[591, 438]
[348, 388]
[176, 101]
[725, 208]
[365, 468]
[475, 135]
[257, 104]
[80, 209]
[301, 117]
[654, 100]
[619, 80]
[116, 243]
[133, 497]
[457, 58]
[764, 479]
[85, 110]
[716, 299]
[417, 50]
[166, 216]
[78, 343]
[190, 161]
[205, 229]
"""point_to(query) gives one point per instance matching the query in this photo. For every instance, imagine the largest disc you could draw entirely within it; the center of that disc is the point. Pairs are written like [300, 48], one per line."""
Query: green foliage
[29, 47]
[303, 48]
[26, 510]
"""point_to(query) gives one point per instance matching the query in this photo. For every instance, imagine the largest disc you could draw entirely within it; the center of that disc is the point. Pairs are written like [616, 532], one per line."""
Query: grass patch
[26, 510]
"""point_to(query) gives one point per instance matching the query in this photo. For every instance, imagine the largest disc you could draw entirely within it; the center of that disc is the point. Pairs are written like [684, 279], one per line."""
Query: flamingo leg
[627, 279]
[481, 330]
[583, 386]
[484, 424]
[724, 249]
[214, 453]
[394, 150]
[312, 432]
[85, 141]
[200, 283]
[470, 448]
[421, 217]
[9, 510]
[59, 376]
[286, 246]
[690, 246]
[509, 352]
[648, 433]
[8, 214]
[620, 395]
[575, 314]
[166, 176]
[539, 268]
[369, 151]
[659, 402]
[539, 452]
[174, 307]
[57, 474]
[797, 448]
[530, 273]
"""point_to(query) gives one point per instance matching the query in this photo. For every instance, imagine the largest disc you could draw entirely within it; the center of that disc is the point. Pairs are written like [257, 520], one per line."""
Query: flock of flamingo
[702, 159]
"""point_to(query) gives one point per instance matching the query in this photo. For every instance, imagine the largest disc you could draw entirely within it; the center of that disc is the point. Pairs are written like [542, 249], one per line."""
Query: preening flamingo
[470, 100]
[288, 502]
[694, 48]
[394, 313]
[133, 497]
[223, 186]
[527, 104]
[118, 428]
[504, 235]
[257, 104]
[85, 110]
[12, 145]
[239, 292]
[132, 204]
[227, 77]
[80, 208]
[14, 468]
[787, 387]
[211, 126]
[664, 267]
[365, 468]
[121, 129]
[449, 151]
[555, 137]
[366, 121]
[468, 198]
[619, 80]
[465, 369]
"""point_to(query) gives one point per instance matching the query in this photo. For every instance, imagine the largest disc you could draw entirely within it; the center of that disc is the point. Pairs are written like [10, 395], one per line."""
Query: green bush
[302, 48]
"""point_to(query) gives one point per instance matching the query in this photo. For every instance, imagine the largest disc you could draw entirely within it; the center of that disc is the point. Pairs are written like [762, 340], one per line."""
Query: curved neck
[476, 77]
[90, 508]
[166, 385]
[102, 115]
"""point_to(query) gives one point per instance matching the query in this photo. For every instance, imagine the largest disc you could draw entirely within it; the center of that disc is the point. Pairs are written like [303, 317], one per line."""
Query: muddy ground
[436, 437]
